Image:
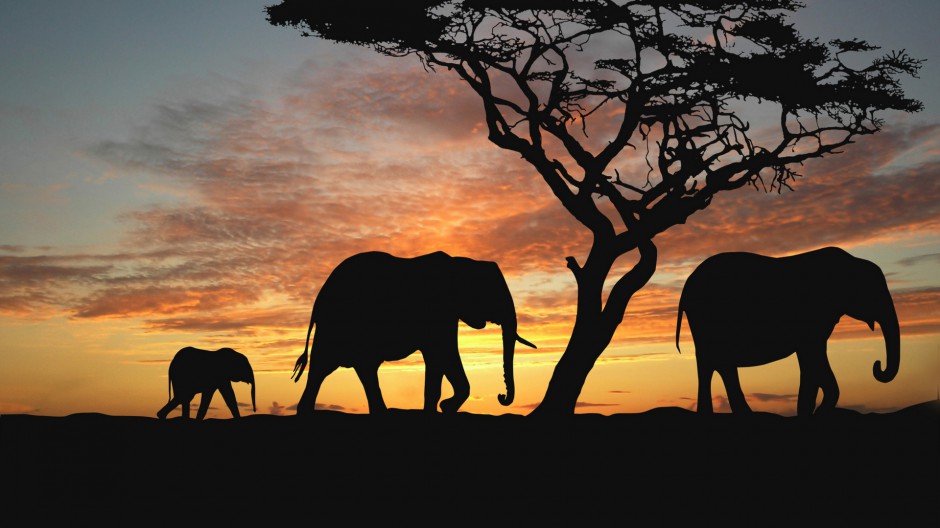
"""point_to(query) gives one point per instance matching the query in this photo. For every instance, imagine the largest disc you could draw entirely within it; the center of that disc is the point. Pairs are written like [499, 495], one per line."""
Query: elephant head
[868, 299]
[482, 296]
[239, 370]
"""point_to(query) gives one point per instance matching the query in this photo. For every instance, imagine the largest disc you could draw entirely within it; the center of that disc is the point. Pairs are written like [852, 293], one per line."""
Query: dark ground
[668, 460]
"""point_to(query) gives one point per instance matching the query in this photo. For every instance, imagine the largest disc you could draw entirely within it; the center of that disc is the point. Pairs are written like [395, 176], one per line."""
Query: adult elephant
[194, 370]
[746, 309]
[376, 307]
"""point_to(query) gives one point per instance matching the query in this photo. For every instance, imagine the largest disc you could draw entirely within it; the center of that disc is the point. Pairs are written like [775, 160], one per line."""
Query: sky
[183, 173]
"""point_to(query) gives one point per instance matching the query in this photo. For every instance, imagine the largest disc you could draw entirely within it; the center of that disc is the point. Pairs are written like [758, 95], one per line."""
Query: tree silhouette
[668, 82]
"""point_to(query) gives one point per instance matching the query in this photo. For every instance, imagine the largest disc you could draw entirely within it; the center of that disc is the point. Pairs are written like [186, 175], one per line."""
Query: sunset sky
[183, 173]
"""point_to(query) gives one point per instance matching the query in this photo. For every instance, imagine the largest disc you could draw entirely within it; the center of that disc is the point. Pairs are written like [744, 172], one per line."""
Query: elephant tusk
[524, 342]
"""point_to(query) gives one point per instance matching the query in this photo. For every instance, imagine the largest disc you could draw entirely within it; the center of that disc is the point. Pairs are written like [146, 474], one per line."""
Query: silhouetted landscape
[869, 461]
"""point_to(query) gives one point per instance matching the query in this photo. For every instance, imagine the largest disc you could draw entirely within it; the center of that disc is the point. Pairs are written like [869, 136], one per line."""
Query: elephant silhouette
[376, 307]
[745, 309]
[194, 370]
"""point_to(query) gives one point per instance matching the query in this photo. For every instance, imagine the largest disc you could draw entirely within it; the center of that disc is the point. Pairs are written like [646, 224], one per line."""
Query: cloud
[765, 397]
[154, 361]
[17, 408]
[865, 409]
[852, 198]
[229, 320]
[276, 409]
[153, 300]
[322, 406]
[40, 284]
[585, 405]
[579, 405]
[918, 310]
[913, 261]
[329, 407]
[527, 406]
[273, 188]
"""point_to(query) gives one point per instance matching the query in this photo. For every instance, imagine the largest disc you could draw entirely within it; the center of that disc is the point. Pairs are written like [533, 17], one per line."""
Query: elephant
[195, 370]
[745, 309]
[376, 307]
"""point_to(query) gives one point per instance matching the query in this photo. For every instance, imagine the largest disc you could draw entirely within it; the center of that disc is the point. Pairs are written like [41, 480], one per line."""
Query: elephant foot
[450, 406]
[825, 410]
[305, 408]
[377, 407]
[827, 406]
[808, 412]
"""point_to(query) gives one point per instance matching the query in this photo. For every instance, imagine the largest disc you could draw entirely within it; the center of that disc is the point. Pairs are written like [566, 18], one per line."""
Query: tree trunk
[595, 323]
[573, 368]
[589, 338]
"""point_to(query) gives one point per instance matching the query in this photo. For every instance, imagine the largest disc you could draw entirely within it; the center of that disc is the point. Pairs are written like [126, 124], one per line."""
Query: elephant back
[379, 288]
[196, 369]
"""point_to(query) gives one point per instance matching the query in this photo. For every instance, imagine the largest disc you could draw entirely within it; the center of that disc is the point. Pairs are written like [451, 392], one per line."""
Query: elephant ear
[437, 276]
[477, 289]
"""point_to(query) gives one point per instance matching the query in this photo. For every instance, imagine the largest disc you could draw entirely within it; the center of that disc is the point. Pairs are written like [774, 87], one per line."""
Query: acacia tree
[667, 81]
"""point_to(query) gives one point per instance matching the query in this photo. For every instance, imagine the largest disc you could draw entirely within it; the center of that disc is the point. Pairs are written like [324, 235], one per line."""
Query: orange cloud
[227, 320]
[162, 300]
[843, 199]
[276, 191]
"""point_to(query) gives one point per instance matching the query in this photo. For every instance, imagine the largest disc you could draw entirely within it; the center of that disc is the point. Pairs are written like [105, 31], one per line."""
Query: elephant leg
[453, 369]
[829, 387]
[705, 373]
[729, 375]
[228, 394]
[433, 378]
[204, 404]
[170, 405]
[814, 368]
[319, 370]
[369, 376]
[184, 408]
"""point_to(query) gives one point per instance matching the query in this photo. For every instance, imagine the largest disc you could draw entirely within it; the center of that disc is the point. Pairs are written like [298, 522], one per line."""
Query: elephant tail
[301, 363]
[299, 366]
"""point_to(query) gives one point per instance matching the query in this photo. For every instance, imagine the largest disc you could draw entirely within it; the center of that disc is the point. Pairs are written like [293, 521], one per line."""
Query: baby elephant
[746, 309]
[194, 370]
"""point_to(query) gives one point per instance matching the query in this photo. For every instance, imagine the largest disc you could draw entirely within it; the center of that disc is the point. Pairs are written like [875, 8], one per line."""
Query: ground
[666, 460]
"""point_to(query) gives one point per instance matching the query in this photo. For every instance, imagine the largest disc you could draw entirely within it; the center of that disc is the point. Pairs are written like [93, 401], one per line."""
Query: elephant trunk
[509, 343]
[892, 334]
[251, 381]
[509, 346]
